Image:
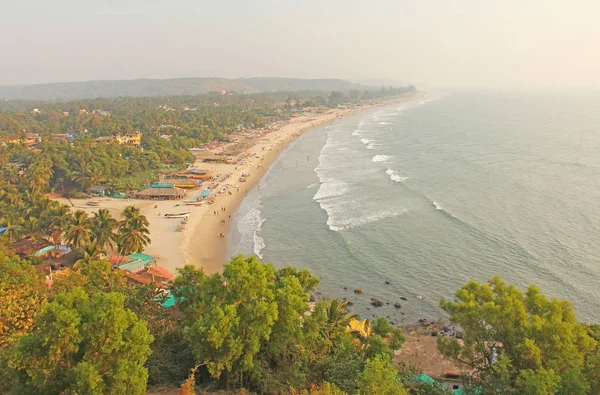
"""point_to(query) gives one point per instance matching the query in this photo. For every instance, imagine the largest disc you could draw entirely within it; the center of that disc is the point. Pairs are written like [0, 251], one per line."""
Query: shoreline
[213, 258]
[200, 243]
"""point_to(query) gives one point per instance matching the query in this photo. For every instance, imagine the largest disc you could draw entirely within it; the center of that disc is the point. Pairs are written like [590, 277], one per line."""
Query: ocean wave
[312, 186]
[436, 205]
[331, 188]
[381, 158]
[356, 132]
[365, 141]
[394, 176]
[385, 123]
[259, 244]
[337, 223]
[249, 226]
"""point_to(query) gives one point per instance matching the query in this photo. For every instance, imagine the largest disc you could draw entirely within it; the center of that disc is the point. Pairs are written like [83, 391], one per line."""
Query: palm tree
[31, 228]
[338, 318]
[133, 232]
[90, 253]
[12, 222]
[61, 218]
[103, 229]
[79, 230]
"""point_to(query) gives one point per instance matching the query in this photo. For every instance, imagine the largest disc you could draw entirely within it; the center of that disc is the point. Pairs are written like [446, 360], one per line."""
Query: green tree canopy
[516, 340]
[84, 345]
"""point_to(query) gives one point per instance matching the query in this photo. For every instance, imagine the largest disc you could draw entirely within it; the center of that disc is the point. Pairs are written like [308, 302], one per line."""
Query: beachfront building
[197, 174]
[162, 192]
[179, 182]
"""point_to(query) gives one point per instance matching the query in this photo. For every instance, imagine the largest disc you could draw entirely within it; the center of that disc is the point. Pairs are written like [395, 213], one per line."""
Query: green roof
[44, 250]
[132, 266]
[159, 185]
[141, 257]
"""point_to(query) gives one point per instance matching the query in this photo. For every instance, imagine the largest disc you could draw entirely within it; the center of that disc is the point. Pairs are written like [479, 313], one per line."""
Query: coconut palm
[79, 230]
[90, 253]
[103, 229]
[12, 222]
[338, 318]
[31, 228]
[133, 232]
[61, 218]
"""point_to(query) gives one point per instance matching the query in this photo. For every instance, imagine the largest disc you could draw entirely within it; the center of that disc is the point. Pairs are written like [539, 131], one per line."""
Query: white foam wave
[259, 244]
[394, 176]
[337, 224]
[249, 227]
[381, 158]
[436, 205]
[312, 185]
[385, 123]
[365, 141]
[356, 132]
[331, 188]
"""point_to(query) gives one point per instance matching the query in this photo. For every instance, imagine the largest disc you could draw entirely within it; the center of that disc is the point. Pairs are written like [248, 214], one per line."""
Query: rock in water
[397, 305]
[358, 291]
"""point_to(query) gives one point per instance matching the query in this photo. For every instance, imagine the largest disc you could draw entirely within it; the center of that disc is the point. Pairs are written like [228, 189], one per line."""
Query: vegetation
[521, 343]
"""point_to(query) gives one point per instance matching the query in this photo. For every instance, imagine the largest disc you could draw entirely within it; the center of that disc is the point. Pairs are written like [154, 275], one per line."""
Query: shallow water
[430, 194]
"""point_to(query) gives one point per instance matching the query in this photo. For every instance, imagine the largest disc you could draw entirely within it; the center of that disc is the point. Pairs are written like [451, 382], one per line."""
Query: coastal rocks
[358, 291]
[376, 302]
[403, 298]
[350, 303]
[388, 283]
[397, 305]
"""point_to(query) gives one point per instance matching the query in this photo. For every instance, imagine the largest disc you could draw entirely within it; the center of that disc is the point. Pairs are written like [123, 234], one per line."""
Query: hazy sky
[446, 43]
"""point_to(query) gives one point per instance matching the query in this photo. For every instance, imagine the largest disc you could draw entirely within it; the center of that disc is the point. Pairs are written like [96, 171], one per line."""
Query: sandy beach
[201, 243]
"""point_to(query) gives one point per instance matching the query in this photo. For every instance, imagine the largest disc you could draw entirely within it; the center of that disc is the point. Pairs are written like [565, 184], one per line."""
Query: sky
[433, 43]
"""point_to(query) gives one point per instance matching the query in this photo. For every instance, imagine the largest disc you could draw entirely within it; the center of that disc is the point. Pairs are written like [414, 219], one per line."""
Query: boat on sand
[178, 215]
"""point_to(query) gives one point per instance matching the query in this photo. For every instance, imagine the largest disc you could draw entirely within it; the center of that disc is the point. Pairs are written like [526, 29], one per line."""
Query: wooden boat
[178, 215]
[94, 203]
[193, 203]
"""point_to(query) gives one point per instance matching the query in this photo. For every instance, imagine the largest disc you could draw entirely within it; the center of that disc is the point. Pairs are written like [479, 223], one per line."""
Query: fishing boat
[192, 203]
[178, 215]
[94, 203]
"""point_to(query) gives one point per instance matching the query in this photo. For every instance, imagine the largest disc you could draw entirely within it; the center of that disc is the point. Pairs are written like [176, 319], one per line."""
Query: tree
[133, 232]
[22, 292]
[60, 219]
[236, 314]
[103, 229]
[79, 230]
[538, 340]
[84, 344]
[380, 377]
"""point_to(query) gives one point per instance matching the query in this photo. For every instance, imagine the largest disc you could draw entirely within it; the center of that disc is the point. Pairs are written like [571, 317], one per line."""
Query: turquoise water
[430, 194]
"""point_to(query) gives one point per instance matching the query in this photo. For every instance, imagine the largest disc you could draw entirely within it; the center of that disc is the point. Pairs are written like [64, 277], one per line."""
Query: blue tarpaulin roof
[2, 230]
[205, 193]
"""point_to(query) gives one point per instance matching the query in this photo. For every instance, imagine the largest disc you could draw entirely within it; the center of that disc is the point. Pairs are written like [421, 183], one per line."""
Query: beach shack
[162, 192]
[179, 182]
[27, 248]
[136, 263]
[100, 190]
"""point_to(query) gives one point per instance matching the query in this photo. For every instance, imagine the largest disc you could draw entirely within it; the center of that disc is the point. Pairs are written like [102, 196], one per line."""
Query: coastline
[200, 244]
[213, 256]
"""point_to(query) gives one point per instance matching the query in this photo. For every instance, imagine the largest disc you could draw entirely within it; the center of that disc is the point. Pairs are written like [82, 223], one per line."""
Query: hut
[179, 182]
[162, 192]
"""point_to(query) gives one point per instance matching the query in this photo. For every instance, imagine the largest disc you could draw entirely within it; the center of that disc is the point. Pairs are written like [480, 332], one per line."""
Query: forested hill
[167, 87]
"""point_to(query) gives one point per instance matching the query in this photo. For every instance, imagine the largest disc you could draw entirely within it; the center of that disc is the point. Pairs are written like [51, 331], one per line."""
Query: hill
[167, 87]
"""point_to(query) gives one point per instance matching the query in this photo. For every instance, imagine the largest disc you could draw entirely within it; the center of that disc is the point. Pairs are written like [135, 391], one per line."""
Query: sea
[410, 201]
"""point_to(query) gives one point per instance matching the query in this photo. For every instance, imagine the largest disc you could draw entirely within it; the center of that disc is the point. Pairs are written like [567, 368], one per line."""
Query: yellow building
[130, 139]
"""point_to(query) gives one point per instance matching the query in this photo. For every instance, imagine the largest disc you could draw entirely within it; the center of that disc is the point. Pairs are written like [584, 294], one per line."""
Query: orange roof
[160, 271]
